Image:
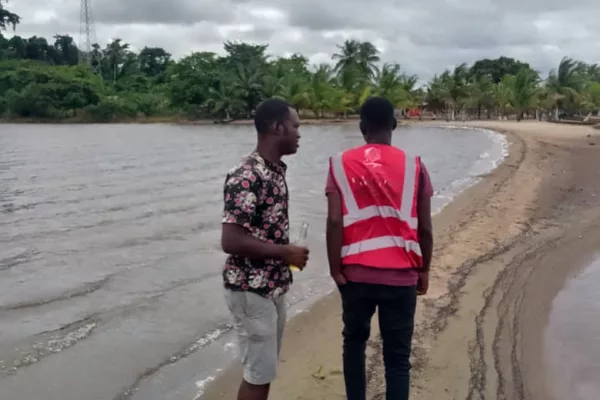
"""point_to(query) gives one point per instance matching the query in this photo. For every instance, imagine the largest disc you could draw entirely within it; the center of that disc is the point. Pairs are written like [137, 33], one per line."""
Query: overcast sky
[424, 36]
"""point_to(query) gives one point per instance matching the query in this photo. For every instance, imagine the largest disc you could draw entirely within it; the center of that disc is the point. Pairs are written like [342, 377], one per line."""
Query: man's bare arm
[425, 230]
[334, 233]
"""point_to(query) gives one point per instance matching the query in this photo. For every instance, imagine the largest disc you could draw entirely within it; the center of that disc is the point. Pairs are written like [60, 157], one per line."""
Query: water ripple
[202, 341]
[82, 290]
[55, 342]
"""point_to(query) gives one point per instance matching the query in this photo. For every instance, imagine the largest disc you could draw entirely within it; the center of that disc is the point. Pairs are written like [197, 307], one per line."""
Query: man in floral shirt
[255, 234]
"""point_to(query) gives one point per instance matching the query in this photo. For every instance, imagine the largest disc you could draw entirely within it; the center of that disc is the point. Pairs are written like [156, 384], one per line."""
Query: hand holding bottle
[299, 251]
[296, 257]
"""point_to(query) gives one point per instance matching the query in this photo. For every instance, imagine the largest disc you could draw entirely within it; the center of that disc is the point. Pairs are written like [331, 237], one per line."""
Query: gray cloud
[424, 37]
[160, 11]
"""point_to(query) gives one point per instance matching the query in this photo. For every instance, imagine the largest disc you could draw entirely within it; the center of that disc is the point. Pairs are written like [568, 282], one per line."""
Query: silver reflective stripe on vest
[379, 243]
[344, 186]
[355, 214]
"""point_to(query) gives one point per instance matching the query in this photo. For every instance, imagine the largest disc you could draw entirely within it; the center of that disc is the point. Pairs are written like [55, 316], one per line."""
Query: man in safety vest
[379, 245]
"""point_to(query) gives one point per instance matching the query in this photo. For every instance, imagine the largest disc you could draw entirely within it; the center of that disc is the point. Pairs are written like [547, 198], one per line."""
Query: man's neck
[385, 139]
[269, 153]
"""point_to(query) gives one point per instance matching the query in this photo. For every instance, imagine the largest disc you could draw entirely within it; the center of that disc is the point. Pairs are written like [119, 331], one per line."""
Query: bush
[148, 104]
[111, 108]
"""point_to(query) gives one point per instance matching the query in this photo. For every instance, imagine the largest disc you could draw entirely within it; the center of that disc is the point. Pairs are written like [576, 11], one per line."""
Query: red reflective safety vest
[379, 186]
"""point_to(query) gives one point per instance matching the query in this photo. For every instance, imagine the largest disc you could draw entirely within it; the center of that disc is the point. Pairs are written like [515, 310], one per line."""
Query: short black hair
[270, 111]
[378, 113]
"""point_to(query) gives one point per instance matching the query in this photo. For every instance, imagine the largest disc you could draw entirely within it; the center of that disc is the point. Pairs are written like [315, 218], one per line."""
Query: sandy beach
[503, 250]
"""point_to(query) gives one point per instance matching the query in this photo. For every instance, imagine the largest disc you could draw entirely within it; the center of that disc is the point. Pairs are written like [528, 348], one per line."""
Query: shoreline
[171, 121]
[449, 193]
[502, 294]
[219, 387]
[491, 244]
[327, 121]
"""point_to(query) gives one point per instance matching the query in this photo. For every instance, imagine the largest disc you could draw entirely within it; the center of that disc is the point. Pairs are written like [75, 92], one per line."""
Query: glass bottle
[301, 241]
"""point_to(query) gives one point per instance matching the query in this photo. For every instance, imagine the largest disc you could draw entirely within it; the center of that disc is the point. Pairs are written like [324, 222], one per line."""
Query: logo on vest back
[372, 156]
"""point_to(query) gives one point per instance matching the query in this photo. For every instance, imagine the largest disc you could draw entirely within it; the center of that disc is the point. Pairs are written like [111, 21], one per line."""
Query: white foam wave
[486, 163]
[201, 385]
[44, 348]
[202, 341]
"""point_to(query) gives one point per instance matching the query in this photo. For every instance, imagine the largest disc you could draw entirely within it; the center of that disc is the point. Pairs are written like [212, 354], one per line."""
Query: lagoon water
[110, 263]
[573, 336]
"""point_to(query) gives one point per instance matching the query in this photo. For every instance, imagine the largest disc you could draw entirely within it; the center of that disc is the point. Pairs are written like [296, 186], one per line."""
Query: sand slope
[503, 249]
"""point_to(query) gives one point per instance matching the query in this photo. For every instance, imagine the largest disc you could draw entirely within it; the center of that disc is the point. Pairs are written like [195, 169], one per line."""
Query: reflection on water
[573, 337]
[110, 261]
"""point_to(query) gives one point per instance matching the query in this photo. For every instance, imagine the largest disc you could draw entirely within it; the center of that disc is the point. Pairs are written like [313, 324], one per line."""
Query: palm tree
[368, 57]
[248, 84]
[387, 79]
[319, 92]
[17, 47]
[272, 86]
[348, 55]
[522, 89]
[362, 57]
[435, 95]
[8, 18]
[480, 94]
[565, 84]
[408, 83]
[502, 98]
[295, 92]
[450, 88]
[593, 72]
[339, 102]
[114, 54]
[595, 96]
[392, 84]
[544, 102]
[350, 79]
[458, 91]
[591, 98]
[129, 64]
[67, 49]
[223, 99]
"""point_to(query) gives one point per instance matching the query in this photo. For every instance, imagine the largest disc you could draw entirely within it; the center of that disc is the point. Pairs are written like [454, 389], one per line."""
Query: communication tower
[87, 35]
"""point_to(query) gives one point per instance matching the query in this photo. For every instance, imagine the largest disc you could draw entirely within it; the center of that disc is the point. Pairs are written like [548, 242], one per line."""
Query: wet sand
[503, 250]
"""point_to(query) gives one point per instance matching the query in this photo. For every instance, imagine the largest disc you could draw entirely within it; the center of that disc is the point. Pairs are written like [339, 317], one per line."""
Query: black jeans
[396, 310]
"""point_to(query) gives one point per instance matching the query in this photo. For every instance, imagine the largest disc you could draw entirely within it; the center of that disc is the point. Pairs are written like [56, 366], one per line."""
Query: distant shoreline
[169, 120]
[305, 121]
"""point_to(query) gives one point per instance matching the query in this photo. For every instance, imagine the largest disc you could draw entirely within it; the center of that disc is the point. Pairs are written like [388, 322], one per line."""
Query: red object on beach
[414, 112]
[379, 186]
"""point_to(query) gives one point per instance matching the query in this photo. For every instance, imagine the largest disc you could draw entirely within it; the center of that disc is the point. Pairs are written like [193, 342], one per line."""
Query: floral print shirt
[256, 197]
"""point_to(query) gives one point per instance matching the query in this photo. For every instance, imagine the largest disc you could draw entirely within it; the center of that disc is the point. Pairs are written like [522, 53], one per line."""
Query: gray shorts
[259, 322]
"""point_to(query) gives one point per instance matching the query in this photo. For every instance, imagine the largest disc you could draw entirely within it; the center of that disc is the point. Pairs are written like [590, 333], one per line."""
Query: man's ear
[278, 128]
[395, 124]
[361, 126]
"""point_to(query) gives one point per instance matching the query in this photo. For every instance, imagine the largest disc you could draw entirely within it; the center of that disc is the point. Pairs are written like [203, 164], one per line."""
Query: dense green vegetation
[42, 80]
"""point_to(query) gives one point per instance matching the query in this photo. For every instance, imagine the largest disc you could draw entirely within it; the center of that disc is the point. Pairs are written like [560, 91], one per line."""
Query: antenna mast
[87, 35]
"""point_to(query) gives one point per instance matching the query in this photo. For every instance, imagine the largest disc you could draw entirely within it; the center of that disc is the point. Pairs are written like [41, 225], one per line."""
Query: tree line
[42, 79]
